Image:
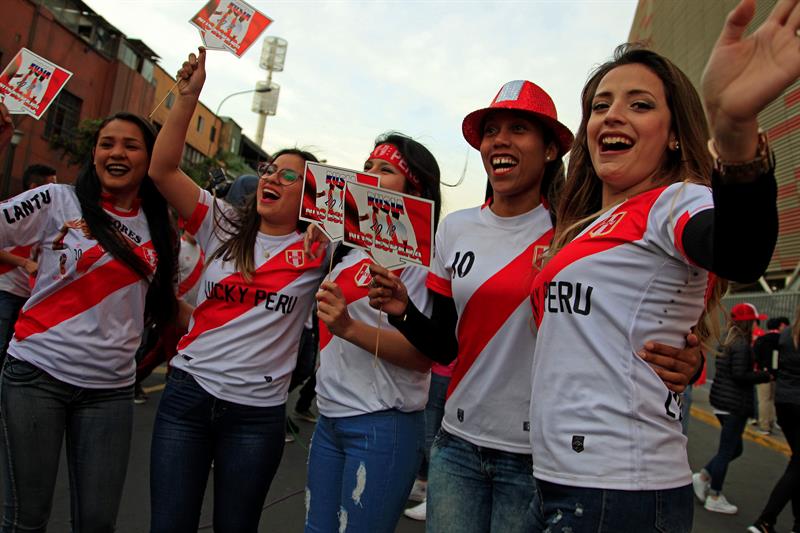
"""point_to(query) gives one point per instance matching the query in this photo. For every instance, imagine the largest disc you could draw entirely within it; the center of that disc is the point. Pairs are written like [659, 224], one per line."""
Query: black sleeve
[735, 240]
[435, 337]
[763, 348]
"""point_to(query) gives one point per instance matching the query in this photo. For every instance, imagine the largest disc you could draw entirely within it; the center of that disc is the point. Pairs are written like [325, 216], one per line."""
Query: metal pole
[262, 117]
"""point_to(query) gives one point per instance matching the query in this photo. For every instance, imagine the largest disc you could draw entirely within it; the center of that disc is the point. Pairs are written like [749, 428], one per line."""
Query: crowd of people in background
[532, 380]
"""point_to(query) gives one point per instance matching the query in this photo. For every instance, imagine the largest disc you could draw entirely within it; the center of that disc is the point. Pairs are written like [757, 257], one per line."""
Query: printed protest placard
[323, 196]
[30, 83]
[395, 228]
[230, 24]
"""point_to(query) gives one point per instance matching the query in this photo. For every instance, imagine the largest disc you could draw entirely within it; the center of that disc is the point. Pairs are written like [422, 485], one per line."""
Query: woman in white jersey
[106, 259]
[634, 252]
[368, 443]
[226, 394]
[480, 475]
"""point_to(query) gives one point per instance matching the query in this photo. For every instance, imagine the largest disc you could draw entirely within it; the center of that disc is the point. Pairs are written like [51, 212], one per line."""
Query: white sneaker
[419, 491]
[720, 504]
[700, 486]
[417, 512]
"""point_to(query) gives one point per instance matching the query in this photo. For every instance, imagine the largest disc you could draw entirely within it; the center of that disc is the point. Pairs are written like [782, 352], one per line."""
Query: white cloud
[355, 69]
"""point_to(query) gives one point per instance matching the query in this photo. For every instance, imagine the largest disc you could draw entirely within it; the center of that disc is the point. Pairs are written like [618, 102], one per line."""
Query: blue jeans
[191, 429]
[360, 470]
[434, 412]
[37, 411]
[480, 490]
[10, 304]
[730, 447]
[586, 510]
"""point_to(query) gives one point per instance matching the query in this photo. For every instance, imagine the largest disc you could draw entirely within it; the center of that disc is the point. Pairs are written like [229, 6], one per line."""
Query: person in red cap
[640, 238]
[480, 472]
[732, 399]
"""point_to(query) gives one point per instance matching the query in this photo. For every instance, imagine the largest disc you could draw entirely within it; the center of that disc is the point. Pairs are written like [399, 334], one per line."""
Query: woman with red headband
[368, 443]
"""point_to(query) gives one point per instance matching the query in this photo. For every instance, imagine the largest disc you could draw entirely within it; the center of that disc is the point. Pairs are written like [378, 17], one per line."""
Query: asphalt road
[750, 479]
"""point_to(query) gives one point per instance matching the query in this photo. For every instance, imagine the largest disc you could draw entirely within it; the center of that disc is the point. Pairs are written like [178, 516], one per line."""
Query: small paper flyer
[323, 196]
[396, 229]
[232, 25]
[30, 83]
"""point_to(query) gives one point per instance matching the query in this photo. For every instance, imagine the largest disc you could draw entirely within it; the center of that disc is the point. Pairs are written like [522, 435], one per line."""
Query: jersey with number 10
[486, 263]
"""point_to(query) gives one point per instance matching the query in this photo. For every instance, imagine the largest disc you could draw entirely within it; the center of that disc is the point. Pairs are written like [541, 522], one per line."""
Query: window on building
[191, 155]
[213, 133]
[63, 115]
[127, 55]
[147, 70]
[170, 100]
[200, 122]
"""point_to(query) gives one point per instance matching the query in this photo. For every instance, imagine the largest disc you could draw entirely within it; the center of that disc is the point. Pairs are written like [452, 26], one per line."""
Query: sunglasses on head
[286, 176]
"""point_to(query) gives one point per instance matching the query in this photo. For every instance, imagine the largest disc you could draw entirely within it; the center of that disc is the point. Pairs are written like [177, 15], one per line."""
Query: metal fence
[773, 305]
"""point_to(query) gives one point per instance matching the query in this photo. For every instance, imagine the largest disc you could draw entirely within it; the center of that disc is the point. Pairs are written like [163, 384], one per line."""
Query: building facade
[685, 31]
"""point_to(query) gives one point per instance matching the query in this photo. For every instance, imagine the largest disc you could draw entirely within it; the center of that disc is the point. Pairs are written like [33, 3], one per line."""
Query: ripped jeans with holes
[584, 510]
[360, 471]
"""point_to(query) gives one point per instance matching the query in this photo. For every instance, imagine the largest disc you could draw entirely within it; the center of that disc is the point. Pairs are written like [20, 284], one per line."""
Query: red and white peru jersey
[85, 317]
[486, 264]
[243, 336]
[14, 279]
[600, 415]
[191, 262]
[350, 380]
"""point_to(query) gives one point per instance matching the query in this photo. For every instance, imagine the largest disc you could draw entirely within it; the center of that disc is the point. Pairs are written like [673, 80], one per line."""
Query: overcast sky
[355, 69]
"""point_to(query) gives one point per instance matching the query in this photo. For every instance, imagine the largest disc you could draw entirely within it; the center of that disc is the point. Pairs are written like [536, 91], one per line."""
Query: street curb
[749, 434]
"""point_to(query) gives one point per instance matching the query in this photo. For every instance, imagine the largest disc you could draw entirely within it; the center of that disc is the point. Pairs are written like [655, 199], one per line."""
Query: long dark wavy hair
[238, 231]
[422, 164]
[161, 305]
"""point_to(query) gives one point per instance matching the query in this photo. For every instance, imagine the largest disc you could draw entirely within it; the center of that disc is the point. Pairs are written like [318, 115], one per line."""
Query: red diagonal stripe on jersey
[346, 280]
[193, 224]
[78, 296]
[19, 251]
[213, 313]
[477, 326]
[193, 276]
[630, 228]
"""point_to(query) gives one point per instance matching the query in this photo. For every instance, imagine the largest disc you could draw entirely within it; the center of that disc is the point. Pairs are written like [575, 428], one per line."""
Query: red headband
[390, 154]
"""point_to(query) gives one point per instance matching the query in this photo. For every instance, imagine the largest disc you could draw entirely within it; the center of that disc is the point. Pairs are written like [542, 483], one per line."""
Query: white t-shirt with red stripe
[243, 336]
[600, 415]
[14, 279]
[191, 262]
[350, 380]
[486, 264]
[85, 317]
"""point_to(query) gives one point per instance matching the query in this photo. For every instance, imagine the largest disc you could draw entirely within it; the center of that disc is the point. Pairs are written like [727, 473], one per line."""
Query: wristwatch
[763, 163]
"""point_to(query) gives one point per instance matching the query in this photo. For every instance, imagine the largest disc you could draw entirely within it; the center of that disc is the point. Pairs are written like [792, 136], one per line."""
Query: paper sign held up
[231, 25]
[396, 229]
[30, 83]
[323, 196]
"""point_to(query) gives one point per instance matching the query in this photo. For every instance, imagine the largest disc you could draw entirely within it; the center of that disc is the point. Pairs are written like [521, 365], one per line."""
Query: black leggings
[788, 486]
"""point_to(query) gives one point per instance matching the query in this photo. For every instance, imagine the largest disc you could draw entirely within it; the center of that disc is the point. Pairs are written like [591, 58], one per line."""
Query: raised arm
[179, 190]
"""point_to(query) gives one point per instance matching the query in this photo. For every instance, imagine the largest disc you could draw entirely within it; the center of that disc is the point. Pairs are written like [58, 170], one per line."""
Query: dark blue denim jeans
[730, 447]
[10, 304]
[191, 429]
[585, 510]
[434, 412]
[360, 470]
[37, 412]
[480, 490]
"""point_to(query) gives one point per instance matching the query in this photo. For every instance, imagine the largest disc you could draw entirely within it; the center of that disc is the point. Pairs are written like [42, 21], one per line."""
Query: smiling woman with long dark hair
[106, 260]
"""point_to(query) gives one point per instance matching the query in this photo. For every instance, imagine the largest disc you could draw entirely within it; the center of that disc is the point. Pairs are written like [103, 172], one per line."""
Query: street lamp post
[273, 58]
[16, 137]
[258, 89]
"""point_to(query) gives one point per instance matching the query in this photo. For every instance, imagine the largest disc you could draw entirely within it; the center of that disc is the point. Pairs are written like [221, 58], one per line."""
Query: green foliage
[233, 164]
[77, 146]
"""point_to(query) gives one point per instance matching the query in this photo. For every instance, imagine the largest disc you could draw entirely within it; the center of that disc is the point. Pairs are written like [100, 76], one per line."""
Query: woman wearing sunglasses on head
[225, 397]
